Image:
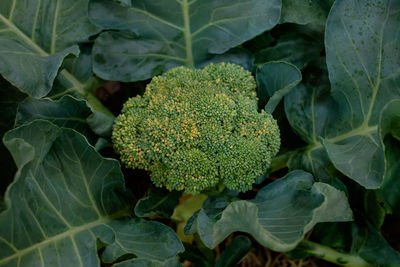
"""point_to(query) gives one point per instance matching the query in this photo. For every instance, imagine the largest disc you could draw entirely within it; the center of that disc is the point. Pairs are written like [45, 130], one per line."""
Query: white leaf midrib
[23, 36]
[65, 73]
[69, 233]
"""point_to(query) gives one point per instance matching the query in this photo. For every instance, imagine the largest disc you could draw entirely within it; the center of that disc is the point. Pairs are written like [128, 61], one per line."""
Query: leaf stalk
[332, 255]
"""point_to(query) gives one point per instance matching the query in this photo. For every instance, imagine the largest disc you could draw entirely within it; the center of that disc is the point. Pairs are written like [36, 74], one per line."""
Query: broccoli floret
[194, 129]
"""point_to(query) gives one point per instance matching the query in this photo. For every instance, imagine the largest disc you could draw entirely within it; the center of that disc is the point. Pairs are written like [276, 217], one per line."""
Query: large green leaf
[159, 35]
[35, 37]
[64, 197]
[278, 217]
[364, 71]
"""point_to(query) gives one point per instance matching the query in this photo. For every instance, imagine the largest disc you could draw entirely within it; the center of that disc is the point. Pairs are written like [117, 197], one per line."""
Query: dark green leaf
[36, 37]
[239, 56]
[297, 49]
[160, 35]
[10, 98]
[65, 196]
[304, 11]
[335, 235]
[2, 205]
[389, 129]
[157, 202]
[390, 189]
[279, 216]
[390, 120]
[101, 123]
[275, 80]
[371, 246]
[374, 206]
[66, 112]
[81, 79]
[364, 75]
[149, 263]
[235, 252]
[193, 254]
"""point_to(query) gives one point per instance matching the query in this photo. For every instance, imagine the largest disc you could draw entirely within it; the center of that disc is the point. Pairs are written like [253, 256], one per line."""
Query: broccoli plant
[195, 129]
[278, 119]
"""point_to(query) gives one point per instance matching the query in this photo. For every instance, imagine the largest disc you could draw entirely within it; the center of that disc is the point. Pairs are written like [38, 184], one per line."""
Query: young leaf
[364, 75]
[158, 201]
[279, 216]
[35, 39]
[64, 197]
[160, 35]
[275, 80]
[234, 252]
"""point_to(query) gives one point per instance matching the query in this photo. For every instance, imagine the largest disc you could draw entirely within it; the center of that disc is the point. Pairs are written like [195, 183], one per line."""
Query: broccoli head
[194, 129]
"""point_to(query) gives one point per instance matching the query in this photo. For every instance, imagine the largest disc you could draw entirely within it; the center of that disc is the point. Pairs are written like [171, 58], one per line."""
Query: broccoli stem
[97, 105]
[332, 255]
[79, 88]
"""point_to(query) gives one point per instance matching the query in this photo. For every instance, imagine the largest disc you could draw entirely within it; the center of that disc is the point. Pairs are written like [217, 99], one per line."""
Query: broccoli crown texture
[194, 129]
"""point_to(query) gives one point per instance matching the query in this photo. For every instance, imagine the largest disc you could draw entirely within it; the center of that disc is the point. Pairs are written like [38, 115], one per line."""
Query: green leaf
[364, 75]
[390, 189]
[279, 216]
[275, 80]
[149, 263]
[10, 98]
[101, 123]
[375, 208]
[2, 205]
[160, 35]
[297, 49]
[390, 120]
[35, 38]
[194, 255]
[234, 252]
[157, 202]
[304, 11]
[67, 112]
[335, 234]
[389, 129]
[372, 247]
[81, 78]
[237, 55]
[64, 197]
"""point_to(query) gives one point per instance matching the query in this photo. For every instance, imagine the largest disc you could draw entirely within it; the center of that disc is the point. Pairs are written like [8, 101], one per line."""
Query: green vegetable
[194, 129]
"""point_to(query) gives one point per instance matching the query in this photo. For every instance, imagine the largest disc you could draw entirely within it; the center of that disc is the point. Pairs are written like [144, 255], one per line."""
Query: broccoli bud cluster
[194, 129]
